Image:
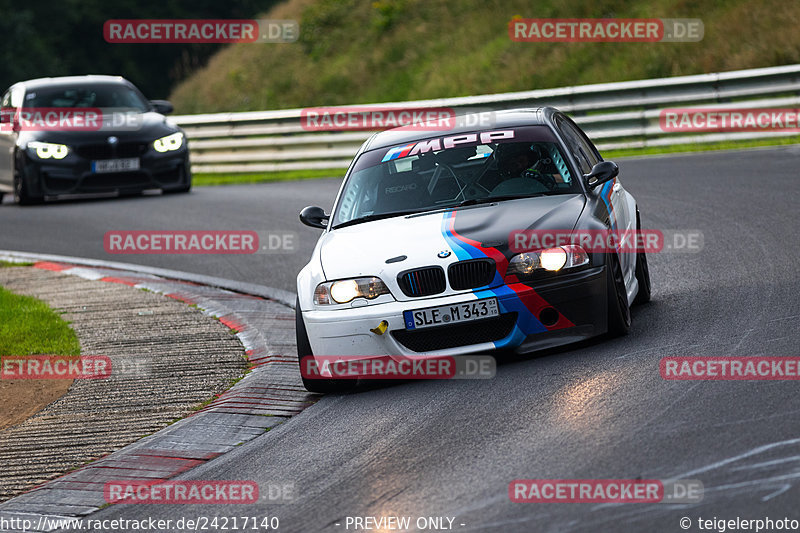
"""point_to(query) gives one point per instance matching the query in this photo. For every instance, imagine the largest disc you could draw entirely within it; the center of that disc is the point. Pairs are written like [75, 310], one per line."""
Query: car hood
[468, 232]
[137, 127]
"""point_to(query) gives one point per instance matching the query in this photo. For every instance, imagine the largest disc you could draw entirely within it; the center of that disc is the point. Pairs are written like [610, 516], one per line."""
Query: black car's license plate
[115, 165]
[442, 315]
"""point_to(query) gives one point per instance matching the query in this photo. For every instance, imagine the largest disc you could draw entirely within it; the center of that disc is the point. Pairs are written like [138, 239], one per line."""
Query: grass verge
[352, 52]
[28, 326]
[201, 180]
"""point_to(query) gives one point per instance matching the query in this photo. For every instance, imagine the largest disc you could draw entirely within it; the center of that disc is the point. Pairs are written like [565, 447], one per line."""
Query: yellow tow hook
[381, 328]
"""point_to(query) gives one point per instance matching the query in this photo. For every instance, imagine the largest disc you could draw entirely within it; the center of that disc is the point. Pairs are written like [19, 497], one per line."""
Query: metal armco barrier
[615, 115]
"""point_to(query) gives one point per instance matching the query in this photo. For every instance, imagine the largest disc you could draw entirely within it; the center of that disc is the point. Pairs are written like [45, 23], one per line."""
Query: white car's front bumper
[522, 324]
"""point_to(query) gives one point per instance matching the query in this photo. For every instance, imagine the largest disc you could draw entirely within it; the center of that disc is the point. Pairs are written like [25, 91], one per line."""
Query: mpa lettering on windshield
[444, 143]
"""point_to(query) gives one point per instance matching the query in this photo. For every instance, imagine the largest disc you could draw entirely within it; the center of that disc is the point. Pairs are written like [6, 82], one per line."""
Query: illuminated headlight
[552, 259]
[347, 290]
[48, 150]
[169, 143]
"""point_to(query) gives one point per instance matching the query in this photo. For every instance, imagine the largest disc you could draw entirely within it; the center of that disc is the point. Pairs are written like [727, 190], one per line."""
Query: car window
[440, 178]
[579, 144]
[102, 95]
[589, 147]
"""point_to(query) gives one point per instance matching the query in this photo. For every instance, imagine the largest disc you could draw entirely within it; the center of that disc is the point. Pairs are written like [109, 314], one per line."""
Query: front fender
[309, 277]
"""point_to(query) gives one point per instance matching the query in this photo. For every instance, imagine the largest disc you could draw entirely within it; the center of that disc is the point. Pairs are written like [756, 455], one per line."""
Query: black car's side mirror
[8, 122]
[314, 216]
[602, 172]
[162, 106]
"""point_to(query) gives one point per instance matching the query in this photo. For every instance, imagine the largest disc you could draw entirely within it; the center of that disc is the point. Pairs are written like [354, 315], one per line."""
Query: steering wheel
[545, 179]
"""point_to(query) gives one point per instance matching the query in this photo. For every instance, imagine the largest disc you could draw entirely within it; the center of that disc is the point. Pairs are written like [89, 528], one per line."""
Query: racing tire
[322, 386]
[642, 273]
[21, 194]
[619, 312]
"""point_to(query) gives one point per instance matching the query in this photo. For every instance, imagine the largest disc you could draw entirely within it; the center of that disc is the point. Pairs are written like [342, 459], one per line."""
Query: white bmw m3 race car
[430, 249]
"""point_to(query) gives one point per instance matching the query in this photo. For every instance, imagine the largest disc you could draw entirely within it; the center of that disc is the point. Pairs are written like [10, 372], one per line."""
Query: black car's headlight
[44, 150]
[170, 143]
[549, 259]
[347, 290]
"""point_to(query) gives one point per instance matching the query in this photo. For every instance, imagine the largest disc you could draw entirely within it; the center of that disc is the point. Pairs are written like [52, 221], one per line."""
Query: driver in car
[521, 160]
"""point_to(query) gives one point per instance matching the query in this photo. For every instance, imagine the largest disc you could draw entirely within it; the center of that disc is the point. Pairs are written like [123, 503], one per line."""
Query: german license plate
[115, 165]
[443, 315]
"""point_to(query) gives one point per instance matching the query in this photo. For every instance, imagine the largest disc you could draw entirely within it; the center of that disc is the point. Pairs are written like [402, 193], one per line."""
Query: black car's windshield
[103, 96]
[450, 177]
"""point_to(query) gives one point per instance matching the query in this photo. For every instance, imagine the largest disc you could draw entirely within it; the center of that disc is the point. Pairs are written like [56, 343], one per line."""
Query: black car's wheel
[323, 386]
[619, 312]
[21, 192]
[643, 277]
[642, 272]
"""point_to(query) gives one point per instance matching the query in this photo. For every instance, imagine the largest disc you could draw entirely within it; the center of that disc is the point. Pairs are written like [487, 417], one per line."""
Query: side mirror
[314, 216]
[602, 172]
[162, 106]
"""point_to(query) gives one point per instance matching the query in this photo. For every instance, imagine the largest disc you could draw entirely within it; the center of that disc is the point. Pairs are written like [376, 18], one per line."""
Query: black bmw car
[87, 134]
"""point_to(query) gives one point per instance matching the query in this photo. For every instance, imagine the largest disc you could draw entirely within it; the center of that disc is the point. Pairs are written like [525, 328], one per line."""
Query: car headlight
[347, 290]
[551, 259]
[169, 143]
[48, 150]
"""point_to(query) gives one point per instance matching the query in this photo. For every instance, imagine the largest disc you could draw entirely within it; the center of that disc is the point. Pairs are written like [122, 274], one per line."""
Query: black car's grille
[106, 151]
[471, 274]
[112, 182]
[422, 281]
[465, 334]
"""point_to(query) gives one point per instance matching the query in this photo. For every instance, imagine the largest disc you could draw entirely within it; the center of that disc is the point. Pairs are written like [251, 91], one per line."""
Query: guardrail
[615, 115]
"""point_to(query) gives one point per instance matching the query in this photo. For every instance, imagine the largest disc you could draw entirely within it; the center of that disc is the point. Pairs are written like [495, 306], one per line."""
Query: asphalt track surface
[599, 410]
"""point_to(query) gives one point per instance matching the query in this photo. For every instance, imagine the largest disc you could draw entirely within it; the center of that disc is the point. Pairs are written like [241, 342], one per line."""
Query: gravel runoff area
[167, 359]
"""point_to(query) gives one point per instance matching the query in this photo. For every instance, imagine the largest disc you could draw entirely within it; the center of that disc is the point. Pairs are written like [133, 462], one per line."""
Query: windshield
[102, 96]
[452, 171]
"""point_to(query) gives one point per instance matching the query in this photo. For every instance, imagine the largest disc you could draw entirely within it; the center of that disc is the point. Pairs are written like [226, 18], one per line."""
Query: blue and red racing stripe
[512, 297]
